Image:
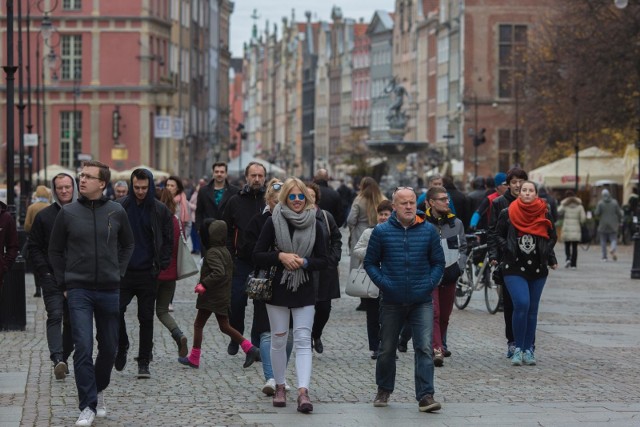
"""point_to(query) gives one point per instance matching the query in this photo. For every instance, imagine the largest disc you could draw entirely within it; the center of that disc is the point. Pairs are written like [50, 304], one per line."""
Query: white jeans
[302, 323]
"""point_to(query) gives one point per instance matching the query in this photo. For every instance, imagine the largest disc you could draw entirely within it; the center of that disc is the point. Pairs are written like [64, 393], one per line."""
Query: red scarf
[530, 218]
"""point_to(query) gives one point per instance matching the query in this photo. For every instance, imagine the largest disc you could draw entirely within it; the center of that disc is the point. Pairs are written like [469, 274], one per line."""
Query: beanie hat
[500, 178]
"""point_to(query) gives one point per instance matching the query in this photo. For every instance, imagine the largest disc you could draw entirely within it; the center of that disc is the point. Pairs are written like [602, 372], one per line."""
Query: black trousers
[143, 285]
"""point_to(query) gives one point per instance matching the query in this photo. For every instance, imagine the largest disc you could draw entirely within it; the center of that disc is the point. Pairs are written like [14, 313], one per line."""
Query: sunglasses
[402, 188]
[277, 186]
[292, 197]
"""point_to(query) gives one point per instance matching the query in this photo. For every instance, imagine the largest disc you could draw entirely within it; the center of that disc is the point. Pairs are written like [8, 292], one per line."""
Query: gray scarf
[301, 243]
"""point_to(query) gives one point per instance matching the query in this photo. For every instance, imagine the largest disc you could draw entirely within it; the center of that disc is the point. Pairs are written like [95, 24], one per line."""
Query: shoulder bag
[185, 265]
[260, 284]
[360, 285]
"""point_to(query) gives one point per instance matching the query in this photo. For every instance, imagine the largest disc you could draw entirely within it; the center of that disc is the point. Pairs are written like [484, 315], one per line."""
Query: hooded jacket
[573, 216]
[406, 264]
[153, 229]
[608, 212]
[9, 239]
[90, 244]
[237, 214]
[38, 245]
[453, 241]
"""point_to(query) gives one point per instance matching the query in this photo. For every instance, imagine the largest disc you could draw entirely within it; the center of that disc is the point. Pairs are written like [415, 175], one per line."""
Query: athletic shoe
[567, 264]
[382, 398]
[438, 357]
[269, 387]
[529, 358]
[143, 370]
[86, 417]
[516, 360]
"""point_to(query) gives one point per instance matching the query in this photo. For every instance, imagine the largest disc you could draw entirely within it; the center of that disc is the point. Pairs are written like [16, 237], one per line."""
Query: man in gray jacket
[90, 246]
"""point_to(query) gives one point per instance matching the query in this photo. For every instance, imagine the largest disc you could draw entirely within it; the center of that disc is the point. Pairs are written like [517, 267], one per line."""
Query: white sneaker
[287, 386]
[269, 387]
[101, 408]
[86, 417]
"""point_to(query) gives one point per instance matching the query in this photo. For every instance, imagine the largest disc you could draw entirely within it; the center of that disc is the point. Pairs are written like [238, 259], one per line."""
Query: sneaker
[121, 359]
[101, 408]
[269, 387]
[567, 264]
[86, 417]
[143, 370]
[232, 349]
[402, 346]
[516, 359]
[438, 357]
[613, 256]
[382, 398]
[185, 361]
[427, 404]
[60, 370]
[573, 267]
[511, 348]
[528, 358]
[604, 260]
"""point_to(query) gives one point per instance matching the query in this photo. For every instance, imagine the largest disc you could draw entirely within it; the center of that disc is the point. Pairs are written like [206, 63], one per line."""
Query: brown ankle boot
[280, 398]
[304, 403]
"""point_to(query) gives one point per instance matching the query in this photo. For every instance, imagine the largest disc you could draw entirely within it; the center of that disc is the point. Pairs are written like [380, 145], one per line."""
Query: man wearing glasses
[405, 260]
[237, 214]
[89, 249]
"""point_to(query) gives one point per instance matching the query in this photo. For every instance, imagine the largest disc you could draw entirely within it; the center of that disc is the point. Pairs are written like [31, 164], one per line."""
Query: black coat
[239, 210]
[328, 281]
[206, 206]
[38, 245]
[331, 202]
[264, 256]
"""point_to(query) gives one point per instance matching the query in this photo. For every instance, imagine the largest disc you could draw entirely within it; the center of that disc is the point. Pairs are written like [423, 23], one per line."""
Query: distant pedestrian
[329, 199]
[405, 260]
[59, 340]
[175, 186]
[42, 199]
[193, 205]
[573, 216]
[120, 189]
[214, 293]
[89, 249]
[609, 215]
[527, 236]
[363, 213]
[346, 196]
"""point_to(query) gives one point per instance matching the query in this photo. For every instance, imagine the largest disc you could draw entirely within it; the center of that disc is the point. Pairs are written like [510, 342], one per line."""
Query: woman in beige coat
[573, 215]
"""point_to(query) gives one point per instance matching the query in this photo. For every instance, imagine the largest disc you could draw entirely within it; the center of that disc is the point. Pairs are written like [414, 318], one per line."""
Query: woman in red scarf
[526, 232]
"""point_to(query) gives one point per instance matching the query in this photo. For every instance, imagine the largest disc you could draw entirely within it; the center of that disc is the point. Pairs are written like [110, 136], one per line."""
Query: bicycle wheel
[492, 291]
[464, 287]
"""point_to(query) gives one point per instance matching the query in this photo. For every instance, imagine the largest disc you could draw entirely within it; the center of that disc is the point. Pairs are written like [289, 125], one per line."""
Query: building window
[512, 45]
[70, 132]
[71, 57]
[507, 147]
[71, 4]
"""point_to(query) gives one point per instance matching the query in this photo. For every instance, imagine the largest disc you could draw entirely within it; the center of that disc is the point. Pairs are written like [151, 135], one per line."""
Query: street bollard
[13, 309]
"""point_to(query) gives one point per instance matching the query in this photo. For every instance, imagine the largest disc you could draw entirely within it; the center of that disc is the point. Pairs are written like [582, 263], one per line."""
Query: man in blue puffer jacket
[405, 260]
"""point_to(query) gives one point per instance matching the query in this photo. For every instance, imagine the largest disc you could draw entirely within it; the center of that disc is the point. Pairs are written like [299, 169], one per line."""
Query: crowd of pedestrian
[91, 255]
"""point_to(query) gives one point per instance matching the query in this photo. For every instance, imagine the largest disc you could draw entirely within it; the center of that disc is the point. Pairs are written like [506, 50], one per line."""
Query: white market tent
[234, 167]
[594, 164]
[52, 170]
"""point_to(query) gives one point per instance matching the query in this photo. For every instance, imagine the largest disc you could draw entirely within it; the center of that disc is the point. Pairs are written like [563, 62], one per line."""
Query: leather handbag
[260, 284]
[360, 285]
[585, 235]
[186, 265]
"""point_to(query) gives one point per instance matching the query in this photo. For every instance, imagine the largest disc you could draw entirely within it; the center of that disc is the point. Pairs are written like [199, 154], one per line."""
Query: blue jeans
[265, 353]
[84, 306]
[419, 318]
[525, 295]
[611, 237]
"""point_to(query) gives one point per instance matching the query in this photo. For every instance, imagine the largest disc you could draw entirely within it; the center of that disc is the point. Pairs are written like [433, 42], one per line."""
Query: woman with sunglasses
[293, 242]
[260, 330]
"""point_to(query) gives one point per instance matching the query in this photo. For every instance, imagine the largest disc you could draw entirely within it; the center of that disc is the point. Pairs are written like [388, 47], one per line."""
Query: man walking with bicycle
[454, 245]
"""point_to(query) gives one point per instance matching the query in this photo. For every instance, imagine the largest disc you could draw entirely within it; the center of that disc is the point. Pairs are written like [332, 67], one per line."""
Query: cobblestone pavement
[587, 373]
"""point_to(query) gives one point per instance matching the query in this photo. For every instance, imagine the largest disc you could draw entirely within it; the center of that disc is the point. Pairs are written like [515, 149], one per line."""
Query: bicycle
[478, 274]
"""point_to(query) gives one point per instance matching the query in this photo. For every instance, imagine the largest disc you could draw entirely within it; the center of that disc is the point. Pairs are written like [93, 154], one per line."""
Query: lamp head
[621, 4]
[46, 28]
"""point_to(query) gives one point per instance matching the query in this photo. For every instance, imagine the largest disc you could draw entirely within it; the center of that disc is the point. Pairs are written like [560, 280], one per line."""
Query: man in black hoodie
[237, 214]
[89, 249]
[59, 338]
[153, 233]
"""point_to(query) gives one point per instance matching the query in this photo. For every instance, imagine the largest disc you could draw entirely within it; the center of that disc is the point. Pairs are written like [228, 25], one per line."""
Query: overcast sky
[274, 10]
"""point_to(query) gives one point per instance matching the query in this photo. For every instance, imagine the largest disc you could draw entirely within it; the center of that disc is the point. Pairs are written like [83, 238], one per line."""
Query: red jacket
[170, 274]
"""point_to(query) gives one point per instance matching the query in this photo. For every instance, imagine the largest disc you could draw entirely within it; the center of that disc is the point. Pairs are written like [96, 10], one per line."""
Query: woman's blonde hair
[371, 195]
[288, 186]
[271, 192]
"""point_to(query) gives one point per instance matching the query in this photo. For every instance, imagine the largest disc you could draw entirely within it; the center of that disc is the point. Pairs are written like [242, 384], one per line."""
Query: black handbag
[585, 234]
[260, 284]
